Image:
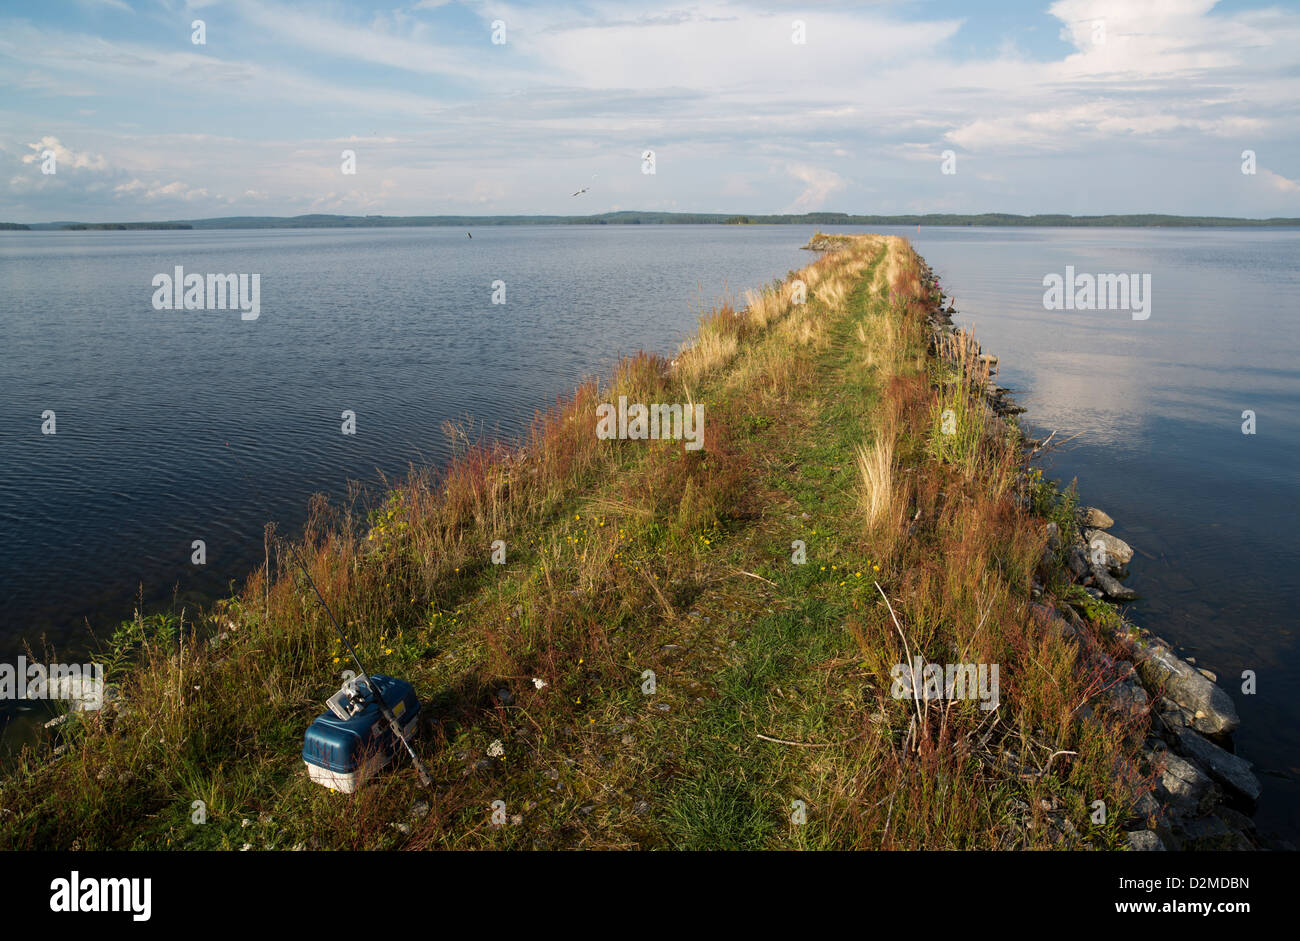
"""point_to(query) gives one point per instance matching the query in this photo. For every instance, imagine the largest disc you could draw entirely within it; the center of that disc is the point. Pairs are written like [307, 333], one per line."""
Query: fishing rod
[384, 709]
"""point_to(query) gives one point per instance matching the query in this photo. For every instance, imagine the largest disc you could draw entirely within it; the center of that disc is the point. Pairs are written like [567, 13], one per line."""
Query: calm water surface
[398, 326]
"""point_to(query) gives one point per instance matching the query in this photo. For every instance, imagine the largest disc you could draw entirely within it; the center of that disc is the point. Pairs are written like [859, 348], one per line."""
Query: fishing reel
[351, 698]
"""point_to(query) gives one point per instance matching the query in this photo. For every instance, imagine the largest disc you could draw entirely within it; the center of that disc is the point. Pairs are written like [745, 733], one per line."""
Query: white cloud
[818, 185]
[65, 157]
[139, 189]
[1279, 182]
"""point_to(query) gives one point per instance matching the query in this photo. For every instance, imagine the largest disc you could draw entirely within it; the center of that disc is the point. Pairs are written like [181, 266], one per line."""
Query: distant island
[321, 221]
[100, 226]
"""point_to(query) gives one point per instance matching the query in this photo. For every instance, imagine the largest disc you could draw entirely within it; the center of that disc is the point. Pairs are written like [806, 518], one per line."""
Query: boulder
[1145, 841]
[1095, 518]
[1183, 787]
[1231, 771]
[1212, 833]
[1111, 586]
[1171, 714]
[1129, 697]
[1146, 808]
[1166, 673]
[1077, 561]
[1119, 552]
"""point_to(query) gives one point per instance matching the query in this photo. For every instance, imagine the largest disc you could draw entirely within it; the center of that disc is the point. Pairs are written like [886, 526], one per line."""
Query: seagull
[468, 236]
[581, 191]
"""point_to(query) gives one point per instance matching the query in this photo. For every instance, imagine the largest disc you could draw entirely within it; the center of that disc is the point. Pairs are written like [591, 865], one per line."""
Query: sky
[463, 107]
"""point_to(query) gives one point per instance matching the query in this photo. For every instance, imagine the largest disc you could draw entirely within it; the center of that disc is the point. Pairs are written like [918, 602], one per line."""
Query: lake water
[398, 325]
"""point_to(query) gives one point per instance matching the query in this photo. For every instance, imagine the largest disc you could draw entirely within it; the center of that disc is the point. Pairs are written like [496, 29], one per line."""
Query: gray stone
[1183, 787]
[1118, 551]
[1211, 833]
[1129, 696]
[1145, 841]
[1146, 807]
[1111, 585]
[1053, 537]
[1077, 560]
[1095, 518]
[1232, 771]
[1048, 617]
[1235, 819]
[1165, 672]
[1173, 715]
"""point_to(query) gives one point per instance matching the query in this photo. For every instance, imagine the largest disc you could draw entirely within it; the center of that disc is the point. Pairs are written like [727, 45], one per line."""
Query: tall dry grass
[875, 465]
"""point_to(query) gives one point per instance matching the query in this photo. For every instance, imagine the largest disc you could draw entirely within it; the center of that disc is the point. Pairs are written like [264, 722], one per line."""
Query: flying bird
[581, 191]
[468, 236]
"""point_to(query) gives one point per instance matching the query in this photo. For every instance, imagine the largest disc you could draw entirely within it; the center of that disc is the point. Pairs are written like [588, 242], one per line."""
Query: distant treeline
[317, 221]
[12, 226]
[79, 226]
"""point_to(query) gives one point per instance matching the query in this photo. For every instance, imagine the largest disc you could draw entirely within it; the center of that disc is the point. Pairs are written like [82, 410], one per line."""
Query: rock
[1049, 618]
[507, 698]
[1129, 696]
[1211, 708]
[1116, 549]
[1208, 674]
[1235, 819]
[1094, 518]
[1111, 585]
[1146, 807]
[1077, 560]
[1171, 714]
[1211, 833]
[1053, 537]
[1145, 841]
[1232, 771]
[1183, 787]
[1094, 593]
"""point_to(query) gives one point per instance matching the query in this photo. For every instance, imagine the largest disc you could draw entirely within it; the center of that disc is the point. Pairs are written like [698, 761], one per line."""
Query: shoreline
[1202, 786]
[637, 217]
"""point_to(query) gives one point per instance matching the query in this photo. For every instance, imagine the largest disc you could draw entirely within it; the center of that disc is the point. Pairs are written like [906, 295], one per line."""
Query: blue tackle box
[342, 754]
